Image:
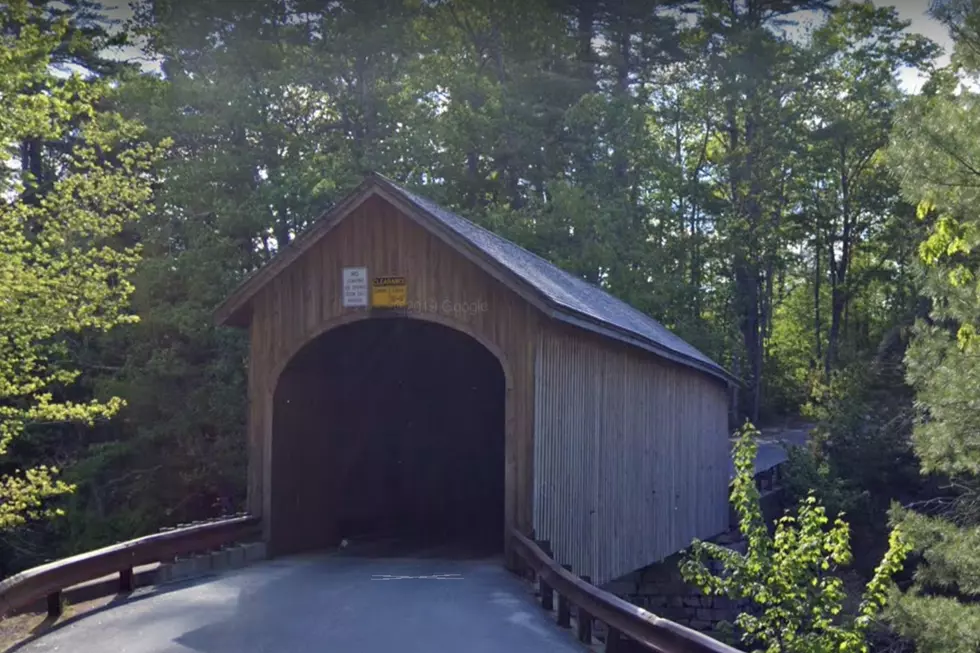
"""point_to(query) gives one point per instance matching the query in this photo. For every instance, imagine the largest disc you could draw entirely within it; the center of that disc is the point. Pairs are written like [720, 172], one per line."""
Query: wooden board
[631, 454]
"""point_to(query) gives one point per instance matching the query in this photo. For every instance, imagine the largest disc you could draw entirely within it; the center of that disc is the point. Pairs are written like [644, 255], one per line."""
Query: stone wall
[660, 589]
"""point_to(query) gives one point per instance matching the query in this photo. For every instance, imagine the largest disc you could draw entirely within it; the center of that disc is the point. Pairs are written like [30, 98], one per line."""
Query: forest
[751, 173]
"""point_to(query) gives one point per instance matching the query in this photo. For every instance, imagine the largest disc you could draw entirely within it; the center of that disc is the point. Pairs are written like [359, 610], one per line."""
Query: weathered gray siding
[630, 454]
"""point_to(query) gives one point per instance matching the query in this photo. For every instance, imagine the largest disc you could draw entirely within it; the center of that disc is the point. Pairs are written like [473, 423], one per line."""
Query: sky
[914, 11]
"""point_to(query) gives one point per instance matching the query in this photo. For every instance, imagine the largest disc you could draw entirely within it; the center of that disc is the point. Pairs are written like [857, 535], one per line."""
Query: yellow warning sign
[389, 292]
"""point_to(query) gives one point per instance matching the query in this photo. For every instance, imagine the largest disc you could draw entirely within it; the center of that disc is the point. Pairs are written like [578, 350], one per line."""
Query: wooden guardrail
[622, 619]
[48, 580]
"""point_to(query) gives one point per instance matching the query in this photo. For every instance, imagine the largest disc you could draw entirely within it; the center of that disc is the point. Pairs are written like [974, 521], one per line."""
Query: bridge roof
[559, 294]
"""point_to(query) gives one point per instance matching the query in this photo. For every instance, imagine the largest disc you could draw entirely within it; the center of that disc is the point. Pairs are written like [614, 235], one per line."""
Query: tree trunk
[747, 289]
[817, 326]
[839, 270]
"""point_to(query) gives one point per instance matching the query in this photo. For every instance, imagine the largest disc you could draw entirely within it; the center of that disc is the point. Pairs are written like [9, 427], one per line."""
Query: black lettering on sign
[389, 281]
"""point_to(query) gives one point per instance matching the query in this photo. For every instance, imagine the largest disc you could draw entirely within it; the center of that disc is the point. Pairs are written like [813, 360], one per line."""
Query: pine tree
[936, 155]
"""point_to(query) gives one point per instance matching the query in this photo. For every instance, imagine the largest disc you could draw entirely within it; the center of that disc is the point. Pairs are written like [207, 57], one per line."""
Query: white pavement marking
[430, 577]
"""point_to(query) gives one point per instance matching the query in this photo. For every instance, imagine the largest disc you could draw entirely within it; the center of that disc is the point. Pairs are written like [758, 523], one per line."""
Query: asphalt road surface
[330, 603]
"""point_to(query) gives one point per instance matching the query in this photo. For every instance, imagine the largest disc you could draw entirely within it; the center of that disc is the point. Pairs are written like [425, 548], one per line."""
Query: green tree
[790, 577]
[65, 259]
[851, 198]
[935, 155]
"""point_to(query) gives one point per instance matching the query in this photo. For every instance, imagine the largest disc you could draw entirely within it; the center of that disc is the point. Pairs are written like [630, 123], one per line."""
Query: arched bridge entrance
[389, 427]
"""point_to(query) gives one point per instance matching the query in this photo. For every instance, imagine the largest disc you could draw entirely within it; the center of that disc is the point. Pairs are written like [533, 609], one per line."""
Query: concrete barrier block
[236, 557]
[254, 551]
[182, 568]
[163, 574]
[201, 565]
[220, 560]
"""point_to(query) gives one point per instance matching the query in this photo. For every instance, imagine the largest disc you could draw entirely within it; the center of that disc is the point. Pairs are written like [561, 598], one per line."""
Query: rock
[620, 587]
[657, 601]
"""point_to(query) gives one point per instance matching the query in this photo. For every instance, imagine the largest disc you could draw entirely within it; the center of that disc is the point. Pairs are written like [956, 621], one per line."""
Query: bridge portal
[412, 374]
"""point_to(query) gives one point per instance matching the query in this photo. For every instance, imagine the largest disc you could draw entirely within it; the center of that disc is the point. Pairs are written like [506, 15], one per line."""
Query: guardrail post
[564, 611]
[55, 604]
[614, 641]
[126, 580]
[547, 594]
[584, 621]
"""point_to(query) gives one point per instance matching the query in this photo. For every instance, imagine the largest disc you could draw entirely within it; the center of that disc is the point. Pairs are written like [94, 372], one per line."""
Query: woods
[752, 174]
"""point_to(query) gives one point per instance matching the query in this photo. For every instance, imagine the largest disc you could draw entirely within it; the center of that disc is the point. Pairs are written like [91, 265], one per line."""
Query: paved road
[774, 445]
[326, 603]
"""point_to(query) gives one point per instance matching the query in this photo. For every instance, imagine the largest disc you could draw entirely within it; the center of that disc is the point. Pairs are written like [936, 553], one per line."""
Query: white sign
[355, 290]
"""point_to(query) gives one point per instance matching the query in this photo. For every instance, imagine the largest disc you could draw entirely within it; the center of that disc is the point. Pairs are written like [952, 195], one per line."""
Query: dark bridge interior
[389, 429]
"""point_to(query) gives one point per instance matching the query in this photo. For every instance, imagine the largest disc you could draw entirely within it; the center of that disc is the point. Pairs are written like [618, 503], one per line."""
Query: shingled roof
[563, 296]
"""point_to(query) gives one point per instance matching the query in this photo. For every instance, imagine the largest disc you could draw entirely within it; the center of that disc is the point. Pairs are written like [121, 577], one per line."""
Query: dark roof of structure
[570, 298]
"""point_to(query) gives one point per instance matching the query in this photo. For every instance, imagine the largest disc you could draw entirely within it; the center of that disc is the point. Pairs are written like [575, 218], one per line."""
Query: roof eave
[582, 321]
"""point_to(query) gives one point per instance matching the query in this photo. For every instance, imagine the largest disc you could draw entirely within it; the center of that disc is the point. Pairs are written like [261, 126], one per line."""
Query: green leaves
[62, 267]
[789, 580]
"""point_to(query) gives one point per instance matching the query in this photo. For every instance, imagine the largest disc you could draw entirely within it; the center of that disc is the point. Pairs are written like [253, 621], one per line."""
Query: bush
[790, 578]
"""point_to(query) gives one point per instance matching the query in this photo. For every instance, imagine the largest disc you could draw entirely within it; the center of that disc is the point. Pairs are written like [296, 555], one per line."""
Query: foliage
[934, 154]
[64, 268]
[790, 577]
[717, 169]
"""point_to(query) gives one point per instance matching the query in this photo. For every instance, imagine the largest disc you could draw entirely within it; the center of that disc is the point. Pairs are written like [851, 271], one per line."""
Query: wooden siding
[303, 301]
[630, 456]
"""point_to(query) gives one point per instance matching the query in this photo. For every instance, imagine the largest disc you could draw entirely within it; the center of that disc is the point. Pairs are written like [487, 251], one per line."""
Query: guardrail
[622, 619]
[48, 580]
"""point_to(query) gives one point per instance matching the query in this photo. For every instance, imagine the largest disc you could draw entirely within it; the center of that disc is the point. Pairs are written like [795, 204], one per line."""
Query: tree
[859, 52]
[756, 76]
[65, 251]
[790, 577]
[935, 155]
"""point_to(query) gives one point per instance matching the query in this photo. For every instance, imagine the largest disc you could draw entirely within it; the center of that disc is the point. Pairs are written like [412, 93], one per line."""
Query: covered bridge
[413, 374]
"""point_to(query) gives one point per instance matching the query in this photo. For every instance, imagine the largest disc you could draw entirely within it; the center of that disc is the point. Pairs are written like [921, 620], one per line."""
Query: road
[326, 603]
[774, 445]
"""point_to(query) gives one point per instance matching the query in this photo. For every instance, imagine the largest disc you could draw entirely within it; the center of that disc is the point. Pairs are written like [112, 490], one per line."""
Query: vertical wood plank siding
[630, 454]
[304, 301]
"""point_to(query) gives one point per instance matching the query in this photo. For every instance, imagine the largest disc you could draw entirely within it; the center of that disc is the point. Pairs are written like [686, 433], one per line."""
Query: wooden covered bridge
[415, 376]
[412, 373]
